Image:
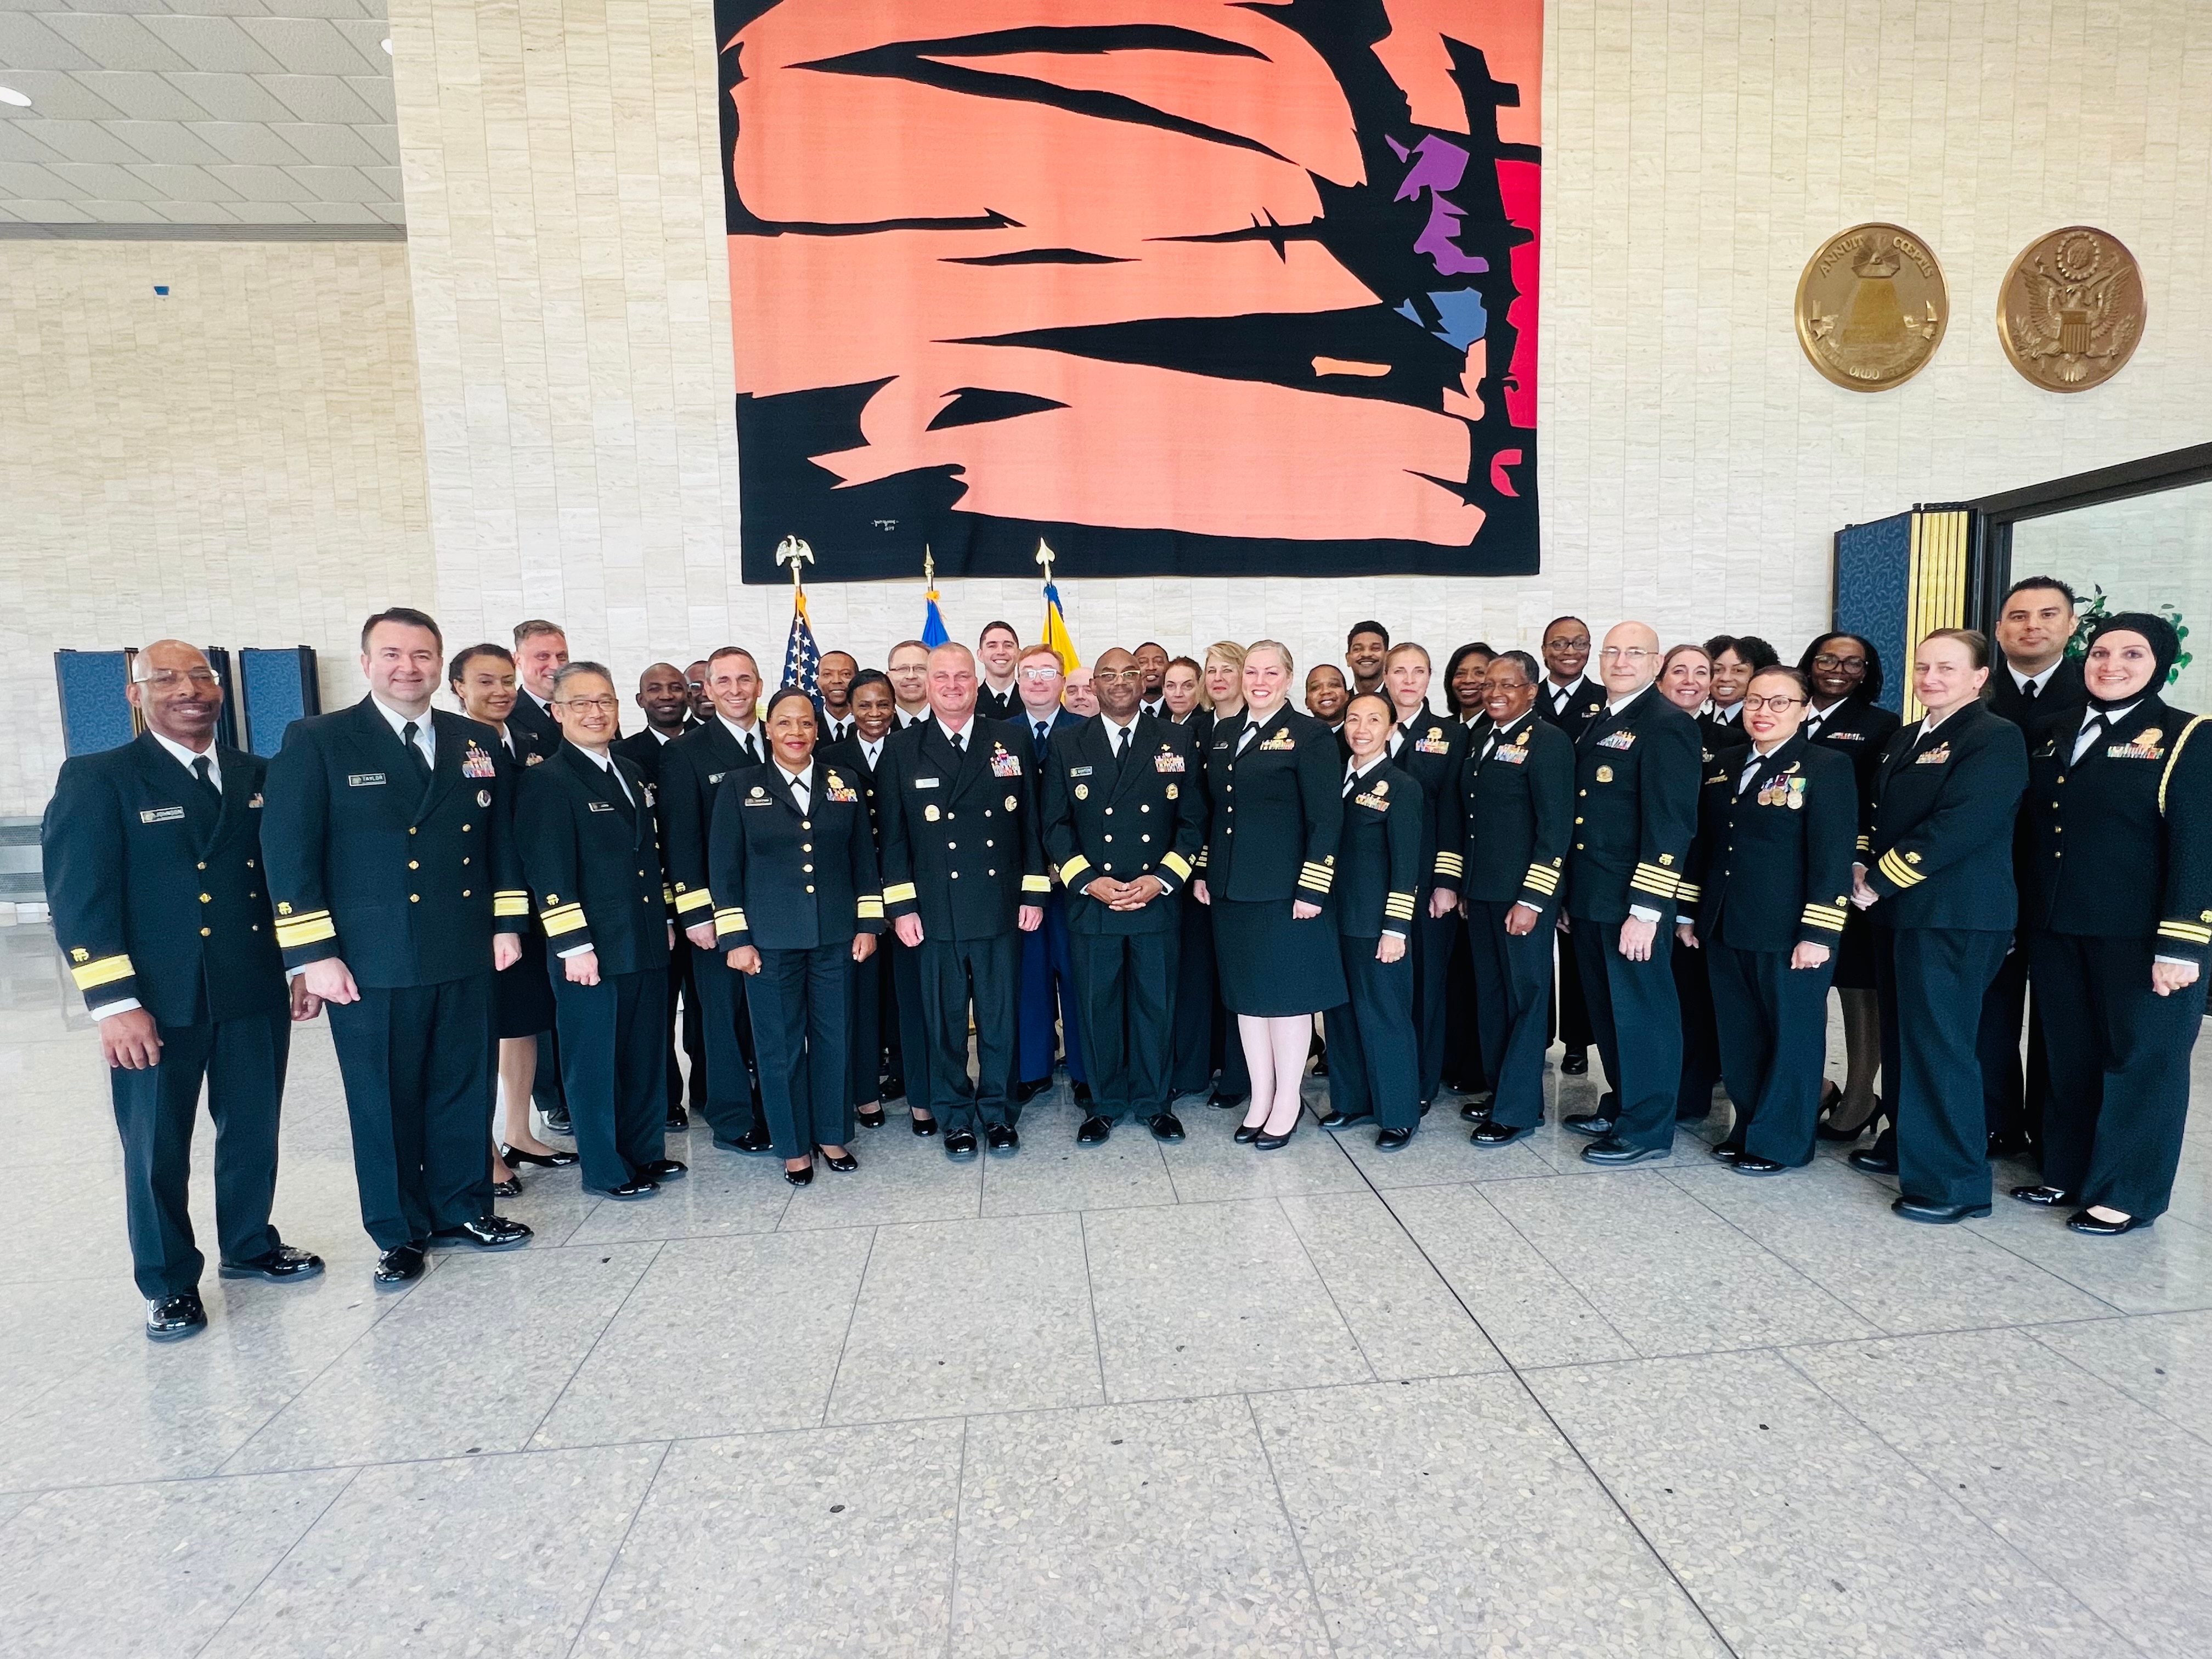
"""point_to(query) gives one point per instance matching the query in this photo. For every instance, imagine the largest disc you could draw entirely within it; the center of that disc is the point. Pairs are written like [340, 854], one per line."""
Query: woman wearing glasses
[1270, 861]
[1685, 679]
[1845, 716]
[1770, 880]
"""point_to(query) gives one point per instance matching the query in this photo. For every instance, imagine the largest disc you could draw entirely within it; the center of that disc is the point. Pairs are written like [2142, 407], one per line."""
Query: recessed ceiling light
[387, 46]
[9, 95]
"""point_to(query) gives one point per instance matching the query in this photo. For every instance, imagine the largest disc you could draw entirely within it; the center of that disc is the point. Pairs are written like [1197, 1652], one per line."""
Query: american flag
[802, 658]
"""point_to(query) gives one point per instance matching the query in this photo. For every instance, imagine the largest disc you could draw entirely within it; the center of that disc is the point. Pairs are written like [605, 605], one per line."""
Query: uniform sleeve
[510, 898]
[1671, 774]
[545, 834]
[1831, 840]
[1063, 847]
[1449, 812]
[1689, 892]
[684, 838]
[1977, 805]
[81, 839]
[1402, 832]
[899, 898]
[2185, 928]
[1036, 880]
[296, 845]
[1186, 853]
[725, 869]
[1552, 803]
[867, 886]
[1320, 781]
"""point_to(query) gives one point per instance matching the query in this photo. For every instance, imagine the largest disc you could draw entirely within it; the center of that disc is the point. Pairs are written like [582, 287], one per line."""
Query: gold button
[990, 872]
[805, 869]
[205, 932]
[807, 823]
[804, 846]
[465, 860]
[1109, 811]
[641, 873]
[205, 899]
[1110, 837]
[199, 866]
[552, 898]
[956, 875]
[1579, 847]
[2057, 829]
[253, 896]
[464, 827]
[1579, 818]
[256, 926]
[413, 865]
[414, 898]
[810, 886]
[1582, 792]
[411, 828]
[249, 863]
[465, 892]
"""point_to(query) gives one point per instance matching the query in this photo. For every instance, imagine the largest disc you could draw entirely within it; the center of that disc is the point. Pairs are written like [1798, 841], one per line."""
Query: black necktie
[799, 793]
[415, 752]
[2027, 694]
[202, 768]
[751, 753]
[1121, 745]
[1043, 732]
[959, 743]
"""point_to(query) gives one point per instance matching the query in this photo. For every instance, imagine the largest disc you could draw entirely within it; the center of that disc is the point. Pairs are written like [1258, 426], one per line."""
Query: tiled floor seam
[1328, 1290]
[284, 1555]
[591, 1348]
[584, 1623]
[2035, 1334]
[952, 1578]
[1090, 1300]
[830, 1394]
[1320, 1608]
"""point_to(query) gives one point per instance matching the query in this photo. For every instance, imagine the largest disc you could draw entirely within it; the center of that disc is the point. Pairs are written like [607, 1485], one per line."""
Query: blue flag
[802, 658]
[934, 633]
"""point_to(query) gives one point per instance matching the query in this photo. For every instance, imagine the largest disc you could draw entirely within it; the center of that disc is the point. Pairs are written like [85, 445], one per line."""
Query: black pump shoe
[801, 1178]
[555, 1160]
[1248, 1132]
[844, 1164]
[872, 1120]
[2043, 1197]
[2096, 1228]
[923, 1126]
[1264, 1142]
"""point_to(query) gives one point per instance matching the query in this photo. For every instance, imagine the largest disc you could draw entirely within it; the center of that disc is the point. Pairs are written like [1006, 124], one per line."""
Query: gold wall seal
[1871, 307]
[2071, 309]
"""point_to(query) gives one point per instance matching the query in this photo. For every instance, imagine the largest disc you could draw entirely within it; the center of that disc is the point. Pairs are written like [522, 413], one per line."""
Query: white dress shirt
[1561, 695]
[748, 736]
[426, 732]
[2039, 681]
[795, 784]
[874, 751]
[960, 736]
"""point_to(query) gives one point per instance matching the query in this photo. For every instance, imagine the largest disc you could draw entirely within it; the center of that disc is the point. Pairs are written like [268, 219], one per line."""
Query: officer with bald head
[161, 904]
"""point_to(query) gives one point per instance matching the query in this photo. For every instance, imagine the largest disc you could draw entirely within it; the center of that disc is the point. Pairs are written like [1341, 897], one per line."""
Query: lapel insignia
[1083, 790]
[758, 793]
[1382, 786]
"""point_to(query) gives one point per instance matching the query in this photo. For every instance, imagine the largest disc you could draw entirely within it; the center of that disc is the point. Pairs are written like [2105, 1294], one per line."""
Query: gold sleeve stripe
[1865, 844]
[2189, 932]
[1176, 865]
[1643, 882]
[1689, 892]
[1398, 905]
[899, 892]
[313, 931]
[106, 971]
[1893, 866]
[568, 919]
[1541, 876]
[1036, 884]
[729, 922]
[1316, 879]
[697, 899]
[1074, 867]
[510, 904]
[1450, 864]
[868, 907]
[1819, 916]
[1201, 864]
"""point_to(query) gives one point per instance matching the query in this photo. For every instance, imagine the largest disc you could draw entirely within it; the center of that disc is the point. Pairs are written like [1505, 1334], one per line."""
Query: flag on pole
[802, 658]
[1056, 622]
[933, 631]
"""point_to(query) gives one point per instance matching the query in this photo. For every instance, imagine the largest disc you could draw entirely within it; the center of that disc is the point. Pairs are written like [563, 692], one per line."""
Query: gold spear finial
[928, 567]
[1044, 557]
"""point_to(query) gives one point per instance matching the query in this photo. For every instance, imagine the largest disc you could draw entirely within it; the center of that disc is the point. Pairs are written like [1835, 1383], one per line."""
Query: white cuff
[574, 951]
[1643, 913]
[2177, 962]
[109, 1010]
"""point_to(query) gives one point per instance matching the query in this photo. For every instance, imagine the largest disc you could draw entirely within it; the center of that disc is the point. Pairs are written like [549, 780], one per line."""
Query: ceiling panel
[154, 112]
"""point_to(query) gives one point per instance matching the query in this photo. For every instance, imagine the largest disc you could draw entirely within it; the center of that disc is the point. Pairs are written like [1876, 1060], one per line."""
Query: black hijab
[2158, 634]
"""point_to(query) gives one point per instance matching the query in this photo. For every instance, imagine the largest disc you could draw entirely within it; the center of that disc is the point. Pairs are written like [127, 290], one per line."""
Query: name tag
[160, 814]
[1511, 756]
[1223, 744]
[1617, 740]
[926, 783]
[1004, 765]
[363, 779]
[1167, 761]
[757, 800]
[600, 805]
[1080, 771]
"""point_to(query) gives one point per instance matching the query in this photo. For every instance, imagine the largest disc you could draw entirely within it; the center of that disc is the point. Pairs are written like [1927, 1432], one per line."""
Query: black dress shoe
[1596, 1125]
[800, 1177]
[1490, 1134]
[558, 1120]
[1029, 1089]
[171, 1318]
[1574, 1063]
[960, 1146]
[1747, 1164]
[679, 1118]
[1166, 1126]
[755, 1141]
[1935, 1215]
[844, 1164]
[872, 1120]
[1224, 1103]
[1868, 1161]
[2083, 1223]
[664, 1168]
[631, 1190]
[486, 1232]
[2008, 1144]
[1476, 1111]
[1346, 1119]
[1320, 1064]
[1082, 1093]
[1005, 1140]
[510, 1187]
[1611, 1150]
[1425, 1107]
[1393, 1140]
[399, 1265]
[1248, 1132]
[1264, 1142]
[2047, 1197]
[1724, 1153]
[923, 1126]
[554, 1160]
[279, 1267]
[1093, 1130]
[1827, 1131]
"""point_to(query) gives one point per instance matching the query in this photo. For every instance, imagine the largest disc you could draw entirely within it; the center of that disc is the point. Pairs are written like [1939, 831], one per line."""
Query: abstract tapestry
[1183, 287]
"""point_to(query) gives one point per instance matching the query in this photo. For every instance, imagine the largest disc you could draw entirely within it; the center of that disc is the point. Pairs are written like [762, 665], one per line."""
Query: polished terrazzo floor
[1117, 1400]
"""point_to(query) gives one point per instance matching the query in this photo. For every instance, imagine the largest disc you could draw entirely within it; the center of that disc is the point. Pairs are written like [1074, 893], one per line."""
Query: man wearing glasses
[153, 859]
[1048, 970]
[1636, 810]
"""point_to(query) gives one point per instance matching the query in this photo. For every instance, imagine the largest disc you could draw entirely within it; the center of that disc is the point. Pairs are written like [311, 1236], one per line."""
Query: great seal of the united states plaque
[2071, 309]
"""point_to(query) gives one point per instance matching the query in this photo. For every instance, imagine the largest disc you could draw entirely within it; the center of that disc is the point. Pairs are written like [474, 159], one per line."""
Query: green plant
[2097, 607]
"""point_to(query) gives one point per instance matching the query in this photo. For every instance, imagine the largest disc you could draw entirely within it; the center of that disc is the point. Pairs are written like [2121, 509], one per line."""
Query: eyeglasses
[1778, 704]
[1625, 653]
[1579, 642]
[1039, 676]
[604, 705]
[169, 678]
[1107, 676]
[1829, 659]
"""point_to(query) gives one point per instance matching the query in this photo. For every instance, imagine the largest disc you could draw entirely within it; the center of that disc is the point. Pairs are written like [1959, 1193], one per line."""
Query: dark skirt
[1854, 954]
[522, 996]
[1270, 964]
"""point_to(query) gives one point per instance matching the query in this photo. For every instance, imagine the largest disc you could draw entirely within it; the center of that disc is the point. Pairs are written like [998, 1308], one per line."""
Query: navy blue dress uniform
[1772, 870]
[643, 749]
[1374, 1044]
[1572, 708]
[794, 874]
[692, 769]
[1693, 987]
[160, 899]
[404, 868]
[531, 724]
[961, 851]
[1004, 705]
[1636, 812]
[1940, 861]
[1125, 802]
[1517, 794]
[1432, 749]
[1050, 996]
[1279, 781]
[877, 1039]
[592, 851]
[2122, 873]
[1860, 731]
[1464, 1069]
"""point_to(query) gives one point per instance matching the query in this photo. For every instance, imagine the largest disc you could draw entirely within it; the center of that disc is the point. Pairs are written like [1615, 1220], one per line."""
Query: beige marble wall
[239, 464]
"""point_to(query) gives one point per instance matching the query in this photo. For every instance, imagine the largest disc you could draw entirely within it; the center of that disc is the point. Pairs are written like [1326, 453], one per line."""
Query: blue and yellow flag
[933, 631]
[1055, 630]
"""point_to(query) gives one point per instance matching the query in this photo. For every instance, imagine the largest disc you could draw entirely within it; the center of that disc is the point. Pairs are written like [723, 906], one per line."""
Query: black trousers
[1464, 1061]
[545, 1082]
[1049, 999]
[1571, 1017]
[863, 1056]
[2013, 1103]
[802, 1013]
[1773, 1035]
[685, 1025]
[1191, 1070]
[916, 1048]
[1701, 1040]
[1636, 1021]
[614, 1044]
[1930, 982]
[732, 1101]
[1512, 989]
[2120, 1070]
[1375, 1060]
[987, 972]
[417, 1061]
[1125, 985]
[242, 1061]
[1431, 953]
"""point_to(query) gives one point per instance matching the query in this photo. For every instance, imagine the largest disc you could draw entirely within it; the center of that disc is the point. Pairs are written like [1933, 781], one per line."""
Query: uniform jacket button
[414, 898]
[413, 865]
[199, 866]
[205, 932]
[206, 898]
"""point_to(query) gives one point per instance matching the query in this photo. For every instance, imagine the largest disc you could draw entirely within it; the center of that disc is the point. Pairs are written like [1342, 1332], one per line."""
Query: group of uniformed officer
[1404, 872]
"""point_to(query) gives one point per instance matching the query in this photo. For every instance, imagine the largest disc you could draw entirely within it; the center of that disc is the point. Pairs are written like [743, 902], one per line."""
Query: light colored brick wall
[239, 464]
